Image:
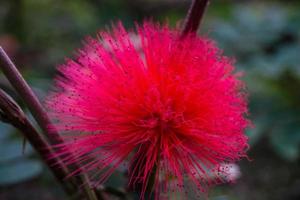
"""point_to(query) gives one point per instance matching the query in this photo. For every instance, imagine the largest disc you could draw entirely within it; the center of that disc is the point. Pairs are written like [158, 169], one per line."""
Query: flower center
[158, 122]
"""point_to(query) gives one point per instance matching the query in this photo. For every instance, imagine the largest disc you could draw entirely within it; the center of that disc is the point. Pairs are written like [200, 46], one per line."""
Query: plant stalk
[38, 112]
[194, 17]
[17, 81]
[11, 113]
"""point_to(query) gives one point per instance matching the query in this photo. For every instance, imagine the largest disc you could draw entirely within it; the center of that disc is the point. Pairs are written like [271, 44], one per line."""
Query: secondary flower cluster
[173, 109]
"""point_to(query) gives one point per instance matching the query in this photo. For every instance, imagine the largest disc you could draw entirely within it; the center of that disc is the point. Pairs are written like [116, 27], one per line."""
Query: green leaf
[256, 132]
[221, 197]
[286, 141]
[12, 150]
[116, 180]
[12, 173]
[5, 130]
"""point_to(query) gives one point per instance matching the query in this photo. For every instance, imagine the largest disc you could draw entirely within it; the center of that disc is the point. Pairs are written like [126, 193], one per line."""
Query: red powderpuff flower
[173, 109]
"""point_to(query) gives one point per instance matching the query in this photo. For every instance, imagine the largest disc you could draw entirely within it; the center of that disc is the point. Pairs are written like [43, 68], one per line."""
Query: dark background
[263, 36]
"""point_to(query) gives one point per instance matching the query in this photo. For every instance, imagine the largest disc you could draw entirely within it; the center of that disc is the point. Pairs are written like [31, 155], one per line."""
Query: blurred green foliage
[265, 40]
[15, 167]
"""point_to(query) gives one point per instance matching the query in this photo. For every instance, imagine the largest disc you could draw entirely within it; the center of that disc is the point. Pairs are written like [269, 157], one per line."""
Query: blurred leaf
[12, 150]
[256, 132]
[5, 130]
[286, 141]
[262, 38]
[116, 180]
[12, 173]
[221, 197]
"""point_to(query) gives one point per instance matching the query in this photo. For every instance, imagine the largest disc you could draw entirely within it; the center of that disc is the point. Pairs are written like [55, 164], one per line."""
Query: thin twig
[38, 112]
[30, 99]
[11, 113]
[194, 16]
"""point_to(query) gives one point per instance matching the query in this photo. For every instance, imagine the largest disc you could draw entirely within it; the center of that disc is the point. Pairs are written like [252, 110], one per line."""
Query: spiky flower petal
[173, 109]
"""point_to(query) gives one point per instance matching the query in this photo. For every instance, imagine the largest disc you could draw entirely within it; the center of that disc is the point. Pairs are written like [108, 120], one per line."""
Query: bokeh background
[263, 36]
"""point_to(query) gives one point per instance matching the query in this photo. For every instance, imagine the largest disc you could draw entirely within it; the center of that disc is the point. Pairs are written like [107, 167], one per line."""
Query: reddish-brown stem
[30, 99]
[11, 113]
[194, 16]
[38, 112]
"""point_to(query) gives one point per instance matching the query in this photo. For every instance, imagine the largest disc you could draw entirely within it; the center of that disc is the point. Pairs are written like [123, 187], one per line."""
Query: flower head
[172, 109]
